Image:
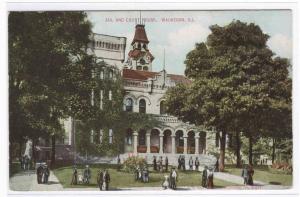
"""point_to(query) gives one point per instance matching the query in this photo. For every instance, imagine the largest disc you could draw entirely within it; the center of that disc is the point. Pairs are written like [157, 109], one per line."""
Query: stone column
[135, 142]
[197, 145]
[161, 142]
[148, 142]
[173, 144]
[185, 144]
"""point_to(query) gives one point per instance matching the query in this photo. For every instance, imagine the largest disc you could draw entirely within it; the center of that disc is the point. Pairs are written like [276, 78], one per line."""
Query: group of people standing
[247, 174]
[208, 178]
[42, 173]
[142, 174]
[103, 180]
[181, 163]
[170, 181]
[103, 177]
[25, 162]
[158, 165]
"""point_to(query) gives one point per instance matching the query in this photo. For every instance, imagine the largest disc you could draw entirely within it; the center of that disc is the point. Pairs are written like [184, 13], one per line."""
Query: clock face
[148, 58]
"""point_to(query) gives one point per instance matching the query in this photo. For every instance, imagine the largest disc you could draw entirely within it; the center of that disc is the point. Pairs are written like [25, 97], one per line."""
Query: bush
[133, 162]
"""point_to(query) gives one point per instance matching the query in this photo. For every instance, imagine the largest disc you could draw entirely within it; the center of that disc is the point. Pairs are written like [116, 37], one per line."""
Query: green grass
[122, 179]
[265, 174]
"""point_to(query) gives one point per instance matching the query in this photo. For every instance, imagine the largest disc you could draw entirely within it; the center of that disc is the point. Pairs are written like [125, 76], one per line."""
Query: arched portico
[191, 142]
[167, 141]
[179, 141]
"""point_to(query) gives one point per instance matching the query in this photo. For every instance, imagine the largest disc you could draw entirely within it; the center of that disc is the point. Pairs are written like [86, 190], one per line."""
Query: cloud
[281, 45]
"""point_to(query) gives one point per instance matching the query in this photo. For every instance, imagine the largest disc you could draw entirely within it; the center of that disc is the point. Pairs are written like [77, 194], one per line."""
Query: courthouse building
[144, 93]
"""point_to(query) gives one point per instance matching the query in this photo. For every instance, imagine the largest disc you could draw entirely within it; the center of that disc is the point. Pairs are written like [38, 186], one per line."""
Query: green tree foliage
[237, 85]
[48, 71]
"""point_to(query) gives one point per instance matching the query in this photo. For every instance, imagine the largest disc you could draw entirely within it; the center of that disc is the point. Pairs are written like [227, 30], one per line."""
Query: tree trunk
[238, 148]
[273, 150]
[250, 150]
[53, 150]
[222, 152]
[20, 150]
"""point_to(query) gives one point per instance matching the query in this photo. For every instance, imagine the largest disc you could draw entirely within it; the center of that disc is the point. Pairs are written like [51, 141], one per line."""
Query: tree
[48, 71]
[232, 75]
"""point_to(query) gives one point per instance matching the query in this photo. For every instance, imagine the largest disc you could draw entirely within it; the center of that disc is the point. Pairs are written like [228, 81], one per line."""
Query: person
[210, 178]
[245, 175]
[154, 163]
[204, 177]
[166, 183]
[179, 162]
[74, 176]
[160, 162]
[197, 163]
[87, 174]
[173, 178]
[167, 163]
[119, 163]
[191, 163]
[217, 166]
[145, 175]
[100, 179]
[250, 174]
[39, 174]
[46, 174]
[106, 178]
[26, 163]
[136, 174]
[183, 162]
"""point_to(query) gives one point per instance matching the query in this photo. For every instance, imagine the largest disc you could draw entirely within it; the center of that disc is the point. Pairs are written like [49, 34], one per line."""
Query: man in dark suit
[106, 178]
[100, 179]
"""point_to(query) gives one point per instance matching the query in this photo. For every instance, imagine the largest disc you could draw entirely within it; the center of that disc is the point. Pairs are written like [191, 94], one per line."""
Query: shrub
[133, 162]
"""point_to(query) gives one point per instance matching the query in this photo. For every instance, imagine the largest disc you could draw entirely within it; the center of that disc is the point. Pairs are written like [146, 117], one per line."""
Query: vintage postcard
[150, 100]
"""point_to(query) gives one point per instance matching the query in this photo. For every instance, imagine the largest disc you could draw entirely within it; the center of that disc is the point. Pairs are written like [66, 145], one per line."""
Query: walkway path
[26, 181]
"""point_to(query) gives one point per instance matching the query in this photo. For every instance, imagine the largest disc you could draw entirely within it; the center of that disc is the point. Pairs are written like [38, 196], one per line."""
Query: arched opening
[179, 141]
[162, 108]
[202, 142]
[142, 106]
[129, 104]
[191, 142]
[128, 145]
[154, 141]
[145, 68]
[139, 67]
[167, 143]
[142, 148]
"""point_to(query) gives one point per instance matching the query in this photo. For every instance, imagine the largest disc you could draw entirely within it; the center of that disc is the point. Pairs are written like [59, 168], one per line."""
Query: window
[129, 137]
[110, 95]
[101, 74]
[92, 98]
[139, 68]
[92, 136]
[111, 73]
[101, 99]
[142, 106]
[129, 105]
[145, 68]
[139, 46]
[110, 134]
[162, 108]
[100, 136]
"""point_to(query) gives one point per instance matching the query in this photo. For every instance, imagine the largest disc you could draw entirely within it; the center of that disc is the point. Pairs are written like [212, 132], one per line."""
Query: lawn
[265, 174]
[122, 179]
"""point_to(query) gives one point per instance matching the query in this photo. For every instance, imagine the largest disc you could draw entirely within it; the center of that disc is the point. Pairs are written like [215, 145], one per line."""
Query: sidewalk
[27, 181]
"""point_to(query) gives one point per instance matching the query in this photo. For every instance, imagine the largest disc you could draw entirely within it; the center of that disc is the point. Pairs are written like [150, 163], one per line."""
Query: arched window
[145, 68]
[142, 106]
[162, 107]
[110, 135]
[129, 104]
[139, 67]
[139, 46]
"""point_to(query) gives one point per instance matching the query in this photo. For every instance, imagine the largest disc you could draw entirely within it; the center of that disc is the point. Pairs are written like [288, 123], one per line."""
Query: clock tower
[139, 56]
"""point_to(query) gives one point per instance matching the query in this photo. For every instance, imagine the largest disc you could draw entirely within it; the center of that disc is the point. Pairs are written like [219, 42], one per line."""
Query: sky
[178, 36]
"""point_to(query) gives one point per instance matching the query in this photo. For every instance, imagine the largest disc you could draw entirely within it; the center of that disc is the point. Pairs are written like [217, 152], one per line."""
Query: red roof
[140, 34]
[144, 75]
[136, 54]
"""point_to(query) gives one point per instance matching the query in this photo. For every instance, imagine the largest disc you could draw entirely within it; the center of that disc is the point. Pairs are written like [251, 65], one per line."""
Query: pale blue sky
[178, 38]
